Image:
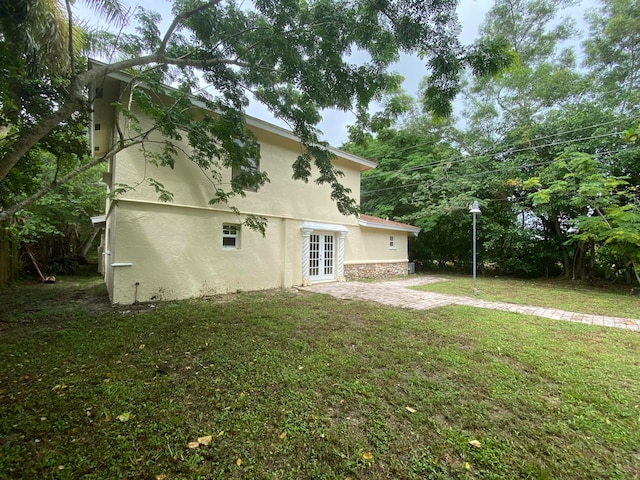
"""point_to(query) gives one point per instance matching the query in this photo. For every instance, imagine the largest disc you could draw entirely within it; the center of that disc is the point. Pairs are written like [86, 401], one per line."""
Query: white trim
[251, 121]
[341, 232]
[122, 264]
[235, 236]
[326, 227]
[99, 221]
[399, 228]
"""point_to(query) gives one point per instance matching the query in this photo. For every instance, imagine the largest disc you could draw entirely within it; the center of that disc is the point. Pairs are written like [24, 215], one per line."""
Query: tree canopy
[549, 148]
[297, 58]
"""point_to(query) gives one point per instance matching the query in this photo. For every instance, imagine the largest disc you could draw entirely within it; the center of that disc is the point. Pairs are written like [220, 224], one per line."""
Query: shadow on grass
[31, 301]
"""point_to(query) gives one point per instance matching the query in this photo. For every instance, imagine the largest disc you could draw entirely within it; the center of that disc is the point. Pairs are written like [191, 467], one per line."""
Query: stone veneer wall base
[375, 270]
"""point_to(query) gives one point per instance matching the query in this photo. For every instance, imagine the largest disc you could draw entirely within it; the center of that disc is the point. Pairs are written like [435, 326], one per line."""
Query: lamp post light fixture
[475, 208]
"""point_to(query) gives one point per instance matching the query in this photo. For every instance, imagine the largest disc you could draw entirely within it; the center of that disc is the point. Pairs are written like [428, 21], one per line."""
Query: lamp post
[475, 208]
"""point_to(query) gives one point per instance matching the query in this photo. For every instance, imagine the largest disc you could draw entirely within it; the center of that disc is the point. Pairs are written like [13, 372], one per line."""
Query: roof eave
[410, 229]
[254, 122]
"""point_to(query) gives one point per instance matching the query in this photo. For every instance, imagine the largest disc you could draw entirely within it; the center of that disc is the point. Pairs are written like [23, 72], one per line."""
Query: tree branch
[28, 138]
[72, 59]
[179, 18]
[6, 214]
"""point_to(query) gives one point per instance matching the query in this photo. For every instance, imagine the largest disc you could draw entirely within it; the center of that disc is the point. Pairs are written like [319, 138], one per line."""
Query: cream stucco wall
[282, 196]
[371, 245]
[176, 252]
[161, 251]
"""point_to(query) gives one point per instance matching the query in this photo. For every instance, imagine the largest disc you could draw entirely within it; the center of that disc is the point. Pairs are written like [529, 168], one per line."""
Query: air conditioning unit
[412, 268]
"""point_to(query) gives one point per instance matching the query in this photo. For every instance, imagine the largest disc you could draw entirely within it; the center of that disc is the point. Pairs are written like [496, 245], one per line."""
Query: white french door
[321, 257]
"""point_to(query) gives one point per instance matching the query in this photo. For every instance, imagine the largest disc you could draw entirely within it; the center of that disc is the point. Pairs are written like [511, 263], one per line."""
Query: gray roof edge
[252, 121]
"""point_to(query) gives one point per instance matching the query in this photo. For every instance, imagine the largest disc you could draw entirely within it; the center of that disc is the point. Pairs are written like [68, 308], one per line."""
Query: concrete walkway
[396, 293]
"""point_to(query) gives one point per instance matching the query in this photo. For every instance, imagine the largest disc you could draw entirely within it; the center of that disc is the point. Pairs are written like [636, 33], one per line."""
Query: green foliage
[602, 208]
[541, 150]
[612, 52]
[58, 226]
[294, 57]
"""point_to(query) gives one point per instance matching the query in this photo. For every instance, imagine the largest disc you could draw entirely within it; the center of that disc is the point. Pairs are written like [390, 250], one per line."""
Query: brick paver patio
[396, 293]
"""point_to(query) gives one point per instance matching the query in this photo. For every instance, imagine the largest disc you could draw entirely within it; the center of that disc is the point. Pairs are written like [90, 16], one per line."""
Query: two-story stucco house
[155, 250]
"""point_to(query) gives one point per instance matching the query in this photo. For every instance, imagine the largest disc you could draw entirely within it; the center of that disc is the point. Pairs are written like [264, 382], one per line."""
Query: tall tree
[613, 53]
[508, 113]
[608, 208]
[293, 56]
[39, 51]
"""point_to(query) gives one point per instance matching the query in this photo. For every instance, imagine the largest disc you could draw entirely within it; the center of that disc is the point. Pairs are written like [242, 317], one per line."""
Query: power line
[475, 174]
[504, 150]
[458, 159]
[564, 132]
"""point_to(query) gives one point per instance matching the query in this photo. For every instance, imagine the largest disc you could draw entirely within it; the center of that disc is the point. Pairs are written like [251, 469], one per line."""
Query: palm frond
[113, 11]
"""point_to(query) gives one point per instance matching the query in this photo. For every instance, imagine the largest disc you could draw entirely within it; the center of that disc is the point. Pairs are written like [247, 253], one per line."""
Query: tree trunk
[579, 261]
[29, 138]
[86, 245]
[592, 262]
[9, 260]
[556, 230]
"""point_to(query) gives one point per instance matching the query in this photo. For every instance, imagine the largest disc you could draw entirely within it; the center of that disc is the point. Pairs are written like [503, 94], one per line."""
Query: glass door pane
[328, 256]
[314, 256]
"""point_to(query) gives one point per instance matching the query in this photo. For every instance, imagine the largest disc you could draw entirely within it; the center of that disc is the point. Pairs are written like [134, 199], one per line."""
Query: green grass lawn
[288, 385]
[600, 299]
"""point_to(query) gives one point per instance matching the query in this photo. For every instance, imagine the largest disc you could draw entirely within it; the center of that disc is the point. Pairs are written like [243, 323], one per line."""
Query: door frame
[322, 255]
[339, 233]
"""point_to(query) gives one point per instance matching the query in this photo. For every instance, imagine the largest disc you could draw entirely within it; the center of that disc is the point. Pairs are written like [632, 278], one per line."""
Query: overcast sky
[471, 13]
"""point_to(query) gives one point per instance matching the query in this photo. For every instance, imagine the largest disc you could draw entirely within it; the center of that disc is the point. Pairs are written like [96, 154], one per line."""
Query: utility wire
[462, 158]
[504, 149]
[476, 174]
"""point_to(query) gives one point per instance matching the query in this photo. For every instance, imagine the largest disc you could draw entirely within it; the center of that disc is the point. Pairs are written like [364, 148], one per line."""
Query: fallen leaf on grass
[475, 443]
[239, 461]
[410, 410]
[282, 435]
[201, 441]
[141, 347]
[124, 417]
[367, 455]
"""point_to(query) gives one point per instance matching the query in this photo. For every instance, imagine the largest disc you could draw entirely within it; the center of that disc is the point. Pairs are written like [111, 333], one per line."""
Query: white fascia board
[252, 121]
[325, 227]
[283, 132]
[99, 220]
[399, 228]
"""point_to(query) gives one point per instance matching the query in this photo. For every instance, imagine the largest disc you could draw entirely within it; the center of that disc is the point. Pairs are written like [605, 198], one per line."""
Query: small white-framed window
[230, 236]
[392, 242]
